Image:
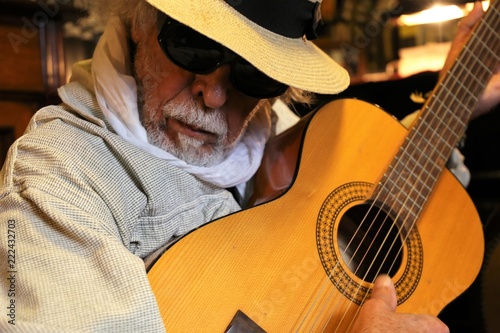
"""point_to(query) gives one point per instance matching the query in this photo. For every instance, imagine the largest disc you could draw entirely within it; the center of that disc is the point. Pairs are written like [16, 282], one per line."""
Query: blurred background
[392, 49]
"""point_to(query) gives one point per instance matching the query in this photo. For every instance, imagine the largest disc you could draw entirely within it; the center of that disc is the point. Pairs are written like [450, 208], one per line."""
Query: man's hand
[378, 314]
[491, 95]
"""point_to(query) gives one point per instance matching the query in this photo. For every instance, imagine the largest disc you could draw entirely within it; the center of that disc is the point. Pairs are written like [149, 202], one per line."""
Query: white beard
[186, 147]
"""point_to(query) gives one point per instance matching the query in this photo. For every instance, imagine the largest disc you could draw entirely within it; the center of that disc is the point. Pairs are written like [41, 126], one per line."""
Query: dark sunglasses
[199, 54]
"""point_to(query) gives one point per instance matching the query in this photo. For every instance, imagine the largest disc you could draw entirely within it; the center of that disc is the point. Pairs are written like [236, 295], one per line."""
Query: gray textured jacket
[79, 208]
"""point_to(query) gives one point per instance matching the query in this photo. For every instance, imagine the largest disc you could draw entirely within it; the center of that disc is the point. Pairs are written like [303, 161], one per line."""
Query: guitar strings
[372, 243]
[389, 269]
[398, 217]
[450, 133]
[402, 215]
[326, 283]
[466, 68]
[364, 257]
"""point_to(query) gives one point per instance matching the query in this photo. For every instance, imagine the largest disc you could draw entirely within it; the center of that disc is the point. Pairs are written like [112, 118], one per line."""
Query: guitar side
[268, 261]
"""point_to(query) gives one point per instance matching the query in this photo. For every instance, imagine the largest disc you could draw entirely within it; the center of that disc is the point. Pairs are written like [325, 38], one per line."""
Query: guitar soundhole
[369, 242]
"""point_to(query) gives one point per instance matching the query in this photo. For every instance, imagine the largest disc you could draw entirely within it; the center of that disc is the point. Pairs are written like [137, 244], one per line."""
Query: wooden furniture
[31, 64]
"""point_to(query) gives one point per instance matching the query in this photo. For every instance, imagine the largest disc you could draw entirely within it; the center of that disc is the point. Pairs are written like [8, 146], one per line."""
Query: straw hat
[270, 34]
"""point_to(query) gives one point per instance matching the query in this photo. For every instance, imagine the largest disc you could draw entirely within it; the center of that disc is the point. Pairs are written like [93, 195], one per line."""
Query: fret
[448, 110]
[479, 63]
[410, 156]
[419, 168]
[397, 188]
[437, 134]
[414, 171]
[463, 90]
[428, 148]
[487, 47]
[412, 207]
[493, 30]
[454, 96]
[453, 107]
[465, 98]
[475, 71]
[404, 186]
[452, 121]
[455, 117]
[406, 214]
[411, 160]
[409, 185]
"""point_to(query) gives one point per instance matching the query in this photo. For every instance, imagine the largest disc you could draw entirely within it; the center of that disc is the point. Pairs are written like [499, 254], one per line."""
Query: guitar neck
[457, 94]
[410, 179]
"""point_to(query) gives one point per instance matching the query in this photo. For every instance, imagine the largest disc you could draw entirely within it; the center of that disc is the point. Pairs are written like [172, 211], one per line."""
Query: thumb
[384, 290]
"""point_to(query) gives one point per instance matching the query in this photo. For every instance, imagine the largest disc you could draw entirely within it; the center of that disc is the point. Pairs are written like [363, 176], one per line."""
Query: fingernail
[385, 281]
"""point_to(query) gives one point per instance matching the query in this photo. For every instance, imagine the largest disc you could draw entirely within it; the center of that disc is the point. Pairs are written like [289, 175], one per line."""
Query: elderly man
[172, 111]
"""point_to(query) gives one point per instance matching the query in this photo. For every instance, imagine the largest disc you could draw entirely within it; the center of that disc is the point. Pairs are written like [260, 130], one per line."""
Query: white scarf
[116, 93]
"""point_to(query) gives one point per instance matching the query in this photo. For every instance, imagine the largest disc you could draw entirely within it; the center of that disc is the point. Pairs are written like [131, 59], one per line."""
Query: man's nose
[213, 87]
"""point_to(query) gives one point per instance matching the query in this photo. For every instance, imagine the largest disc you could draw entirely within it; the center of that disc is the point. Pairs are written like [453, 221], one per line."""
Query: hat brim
[294, 61]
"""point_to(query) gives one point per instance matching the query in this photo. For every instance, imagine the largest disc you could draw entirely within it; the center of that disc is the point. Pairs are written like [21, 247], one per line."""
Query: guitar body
[281, 262]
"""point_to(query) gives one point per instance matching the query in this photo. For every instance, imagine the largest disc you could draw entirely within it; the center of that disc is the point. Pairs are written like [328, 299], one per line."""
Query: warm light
[470, 5]
[439, 13]
[432, 15]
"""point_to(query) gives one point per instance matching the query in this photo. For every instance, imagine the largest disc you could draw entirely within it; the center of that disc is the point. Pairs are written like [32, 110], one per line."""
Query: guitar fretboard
[412, 175]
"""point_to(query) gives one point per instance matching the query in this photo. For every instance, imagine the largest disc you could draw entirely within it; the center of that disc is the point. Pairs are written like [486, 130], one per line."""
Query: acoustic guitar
[358, 195]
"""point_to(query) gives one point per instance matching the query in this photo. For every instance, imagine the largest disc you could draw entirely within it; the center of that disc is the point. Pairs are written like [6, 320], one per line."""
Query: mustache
[195, 114]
